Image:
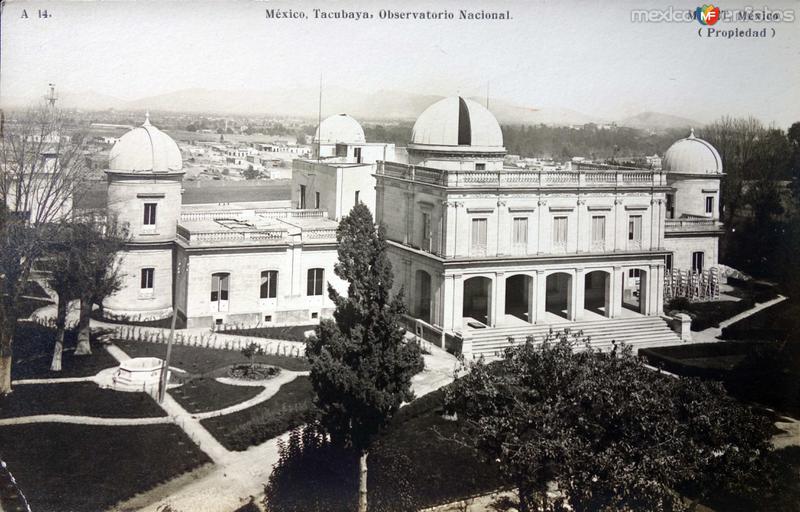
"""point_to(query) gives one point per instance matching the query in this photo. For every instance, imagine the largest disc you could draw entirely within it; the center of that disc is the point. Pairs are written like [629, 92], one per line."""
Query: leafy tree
[361, 365]
[250, 351]
[609, 433]
[250, 173]
[42, 173]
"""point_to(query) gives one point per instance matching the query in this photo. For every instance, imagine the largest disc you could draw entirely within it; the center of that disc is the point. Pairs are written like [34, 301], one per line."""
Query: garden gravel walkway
[82, 420]
[271, 387]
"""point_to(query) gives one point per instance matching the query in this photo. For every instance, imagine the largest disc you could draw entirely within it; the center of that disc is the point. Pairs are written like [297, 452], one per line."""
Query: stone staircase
[639, 332]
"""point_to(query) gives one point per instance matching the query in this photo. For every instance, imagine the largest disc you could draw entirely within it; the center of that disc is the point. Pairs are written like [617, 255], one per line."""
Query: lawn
[443, 470]
[33, 353]
[774, 323]
[77, 399]
[199, 360]
[710, 314]
[289, 333]
[163, 323]
[290, 407]
[27, 305]
[767, 373]
[205, 394]
[86, 468]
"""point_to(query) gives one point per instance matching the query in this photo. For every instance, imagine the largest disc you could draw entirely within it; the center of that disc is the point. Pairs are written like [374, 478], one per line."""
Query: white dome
[145, 148]
[457, 121]
[692, 155]
[340, 128]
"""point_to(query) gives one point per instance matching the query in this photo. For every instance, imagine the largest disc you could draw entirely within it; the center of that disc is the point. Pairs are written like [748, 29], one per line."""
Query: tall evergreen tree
[361, 365]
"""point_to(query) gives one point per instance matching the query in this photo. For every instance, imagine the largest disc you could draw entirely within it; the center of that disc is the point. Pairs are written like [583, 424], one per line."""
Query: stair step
[640, 332]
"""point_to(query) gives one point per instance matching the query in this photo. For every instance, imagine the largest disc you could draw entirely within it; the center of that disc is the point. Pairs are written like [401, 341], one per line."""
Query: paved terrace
[239, 225]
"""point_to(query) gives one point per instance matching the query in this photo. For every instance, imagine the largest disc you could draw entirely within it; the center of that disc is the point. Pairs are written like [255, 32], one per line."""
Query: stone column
[458, 302]
[532, 287]
[446, 303]
[541, 297]
[616, 292]
[577, 295]
[498, 300]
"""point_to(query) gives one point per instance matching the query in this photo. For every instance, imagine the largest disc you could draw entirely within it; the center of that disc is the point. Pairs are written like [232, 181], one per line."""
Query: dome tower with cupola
[144, 194]
[694, 170]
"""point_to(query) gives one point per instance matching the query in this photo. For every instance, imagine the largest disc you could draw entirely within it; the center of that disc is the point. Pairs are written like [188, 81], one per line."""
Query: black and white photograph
[399, 256]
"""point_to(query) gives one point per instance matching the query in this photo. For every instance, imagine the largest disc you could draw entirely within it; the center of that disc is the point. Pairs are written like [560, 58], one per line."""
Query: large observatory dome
[457, 122]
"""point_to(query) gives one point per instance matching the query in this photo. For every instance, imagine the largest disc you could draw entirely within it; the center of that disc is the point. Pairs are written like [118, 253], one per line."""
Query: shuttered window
[519, 234]
[479, 236]
[598, 232]
[635, 230]
[560, 227]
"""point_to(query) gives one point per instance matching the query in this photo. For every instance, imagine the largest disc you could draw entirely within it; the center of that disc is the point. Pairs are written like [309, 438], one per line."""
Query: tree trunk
[61, 320]
[6, 338]
[84, 347]
[362, 482]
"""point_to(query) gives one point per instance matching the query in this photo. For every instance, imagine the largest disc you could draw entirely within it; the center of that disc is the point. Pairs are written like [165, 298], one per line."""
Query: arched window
[269, 284]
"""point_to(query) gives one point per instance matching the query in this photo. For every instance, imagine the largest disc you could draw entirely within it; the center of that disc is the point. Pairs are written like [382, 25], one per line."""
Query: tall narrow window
[598, 232]
[357, 154]
[426, 232]
[315, 280]
[710, 204]
[358, 193]
[635, 231]
[560, 232]
[316, 200]
[698, 261]
[147, 279]
[519, 235]
[149, 214]
[479, 236]
[670, 206]
[302, 197]
[219, 291]
[269, 284]
[668, 263]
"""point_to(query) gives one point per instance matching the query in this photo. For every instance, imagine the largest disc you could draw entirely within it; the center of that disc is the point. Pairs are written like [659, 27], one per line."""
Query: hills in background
[303, 102]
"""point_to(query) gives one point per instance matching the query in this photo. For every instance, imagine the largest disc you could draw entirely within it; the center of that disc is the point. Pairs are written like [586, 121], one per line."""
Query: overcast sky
[586, 56]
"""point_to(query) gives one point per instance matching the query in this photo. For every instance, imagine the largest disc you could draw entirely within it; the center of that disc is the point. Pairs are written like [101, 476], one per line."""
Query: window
[426, 231]
[316, 200]
[670, 206]
[560, 227]
[480, 167]
[357, 154]
[341, 150]
[635, 230]
[634, 272]
[697, 261]
[710, 204]
[358, 192]
[302, 197]
[269, 284]
[668, 263]
[149, 214]
[147, 279]
[267, 318]
[598, 232]
[315, 279]
[519, 234]
[479, 236]
[219, 291]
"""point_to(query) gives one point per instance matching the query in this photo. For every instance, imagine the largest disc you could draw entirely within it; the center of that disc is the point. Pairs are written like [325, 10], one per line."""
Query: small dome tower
[144, 193]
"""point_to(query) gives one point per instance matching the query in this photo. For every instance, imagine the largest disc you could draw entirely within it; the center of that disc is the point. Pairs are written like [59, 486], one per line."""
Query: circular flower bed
[257, 371]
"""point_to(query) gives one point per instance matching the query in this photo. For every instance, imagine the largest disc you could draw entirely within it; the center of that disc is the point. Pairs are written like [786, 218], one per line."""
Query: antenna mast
[319, 120]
